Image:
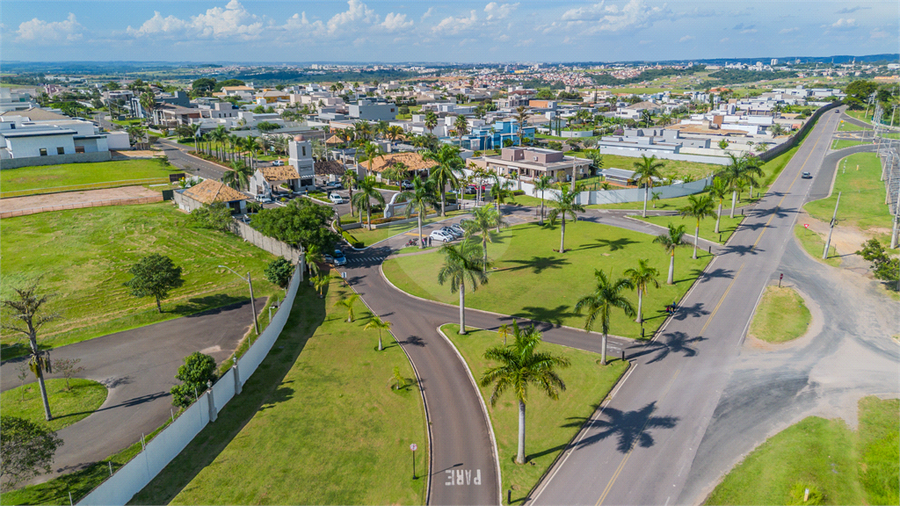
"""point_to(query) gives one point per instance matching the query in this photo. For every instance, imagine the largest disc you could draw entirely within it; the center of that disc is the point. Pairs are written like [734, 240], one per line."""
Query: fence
[273, 246]
[137, 473]
[33, 161]
[79, 205]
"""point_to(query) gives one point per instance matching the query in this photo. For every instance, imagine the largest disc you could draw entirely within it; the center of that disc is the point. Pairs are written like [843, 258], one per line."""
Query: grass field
[862, 196]
[67, 407]
[679, 167]
[549, 425]
[316, 424]
[84, 256]
[814, 244]
[530, 280]
[727, 226]
[80, 176]
[826, 456]
[845, 143]
[781, 316]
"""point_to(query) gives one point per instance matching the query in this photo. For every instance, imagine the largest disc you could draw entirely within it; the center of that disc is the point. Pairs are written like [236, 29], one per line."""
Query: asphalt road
[138, 367]
[179, 157]
[642, 445]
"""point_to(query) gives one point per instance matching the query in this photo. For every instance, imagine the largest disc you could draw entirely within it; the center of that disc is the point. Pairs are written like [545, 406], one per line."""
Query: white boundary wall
[136, 474]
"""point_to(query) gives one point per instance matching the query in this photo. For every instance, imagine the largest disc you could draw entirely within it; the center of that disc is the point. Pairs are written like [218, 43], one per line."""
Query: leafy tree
[462, 266]
[215, 216]
[723, 144]
[670, 241]
[279, 272]
[198, 369]
[698, 207]
[299, 222]
[204, 85]
[642, 277]
[267, 126]
[859, 91]
[28, 449]
[347, 303]
[21, 316]
[449, 166]
[154, 276]
[68, 367]
[520, 366]
[883, 266]
[646, 171]
[606, 296]
[228, 82]
[564, 205]
[379, 325]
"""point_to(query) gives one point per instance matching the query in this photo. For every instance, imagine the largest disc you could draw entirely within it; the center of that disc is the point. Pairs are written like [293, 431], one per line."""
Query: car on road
[262, 199]
[406, 185]
[339, 258]
[335, 198]
[278, 163]
[806, 175]
[440, 235]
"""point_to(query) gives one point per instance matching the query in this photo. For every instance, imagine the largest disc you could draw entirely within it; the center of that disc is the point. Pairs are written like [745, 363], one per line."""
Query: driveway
[138, 366]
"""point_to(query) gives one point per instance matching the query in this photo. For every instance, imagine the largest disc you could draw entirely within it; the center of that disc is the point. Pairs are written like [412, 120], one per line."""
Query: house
[370, 110]
[266, 179]
[15, 100]
[172, 115]
[533, 163]
[495, 135]
[301, 159]
[54, 139]
[414, 162]
[211, 191]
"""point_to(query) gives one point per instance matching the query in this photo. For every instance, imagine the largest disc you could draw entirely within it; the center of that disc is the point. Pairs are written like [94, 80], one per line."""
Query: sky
[429, 31]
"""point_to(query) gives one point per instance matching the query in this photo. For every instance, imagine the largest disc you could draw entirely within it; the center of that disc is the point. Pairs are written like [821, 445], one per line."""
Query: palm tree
[505, 330]
[321, 281]
[362, 130]
[418, 199]
[642, 277]
[394, 132]
[236, 143]
[312, 257]
[462, 266]
[348, 179]
[381, 127]
[250, 146]
[698, 207]
[484, 219]
[347, 303]
[148, 103]
[366, 192]
[646, 171]
[462, 128]
[379, 325]
[521, 366]
[718, 190]
[670, 241]
[238, 177]
[449, 165]
[599, 303]
[542, 184]
[564, 205]
[195, 133]
[737, 172]
[431, 121]
[522, 118]
[371, 151]
[218, 136]
[500, 191]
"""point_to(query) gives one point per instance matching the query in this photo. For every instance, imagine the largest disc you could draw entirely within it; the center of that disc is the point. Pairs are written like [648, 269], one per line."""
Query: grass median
[531, 280]
[781, 316]
[550, 425]
[317, 423]
[838, 465]
[80, 176]
[814, 244]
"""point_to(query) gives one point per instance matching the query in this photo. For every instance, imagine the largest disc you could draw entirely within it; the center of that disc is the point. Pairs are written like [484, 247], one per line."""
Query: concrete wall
[273, 246]
[795, 139]
[137, 473]
[15, 163]
[635, 153]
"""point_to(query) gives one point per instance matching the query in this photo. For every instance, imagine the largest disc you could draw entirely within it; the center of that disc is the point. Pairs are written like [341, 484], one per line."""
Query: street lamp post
[252, 302]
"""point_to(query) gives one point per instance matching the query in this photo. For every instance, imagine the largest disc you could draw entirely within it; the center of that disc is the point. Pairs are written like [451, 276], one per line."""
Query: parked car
[440, 235]
[278, 163]
[334, 185]
[262, 199]
[458, 229]
[339, 258]
[471, 189]
[406, 185]
[806, 175]
[451, 232]
[336, 199]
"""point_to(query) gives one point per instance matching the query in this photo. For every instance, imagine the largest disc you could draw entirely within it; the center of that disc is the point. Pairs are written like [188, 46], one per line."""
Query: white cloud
[848, 10]
[645, 42]
[749, 30]
[234, 21]
[686, 38]
[601, 17]
[789, 30]
[394, 22]
[299, 23]
[495, 11]
[453, 25]
[877, 33]
[427, 14]
[42, 32]
[724, 40]
[844, 23]
[356, 12]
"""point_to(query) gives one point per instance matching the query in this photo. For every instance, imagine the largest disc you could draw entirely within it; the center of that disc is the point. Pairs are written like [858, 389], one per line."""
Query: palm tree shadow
[612, 245]
[694, 311]
[716, 273]
[630, 428]
[553, 316]
[538, 264]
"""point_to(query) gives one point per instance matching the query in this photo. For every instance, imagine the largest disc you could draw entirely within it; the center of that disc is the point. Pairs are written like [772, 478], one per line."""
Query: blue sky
[421, 30]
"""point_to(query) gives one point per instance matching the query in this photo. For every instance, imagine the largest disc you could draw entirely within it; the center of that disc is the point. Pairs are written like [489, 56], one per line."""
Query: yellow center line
[615, 475]
[716, 309]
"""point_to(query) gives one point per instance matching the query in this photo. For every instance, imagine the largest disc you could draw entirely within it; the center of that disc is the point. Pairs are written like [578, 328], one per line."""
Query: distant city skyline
[424, 31]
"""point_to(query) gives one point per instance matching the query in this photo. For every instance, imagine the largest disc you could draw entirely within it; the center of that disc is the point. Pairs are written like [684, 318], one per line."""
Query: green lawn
[780, 316]
[318, 423]
[845, 143]
[370, 237]
[550, 425]
[814, 244]
[84, 256]
[862, 199]
[727, 226]
[826, 456]
[679, 168]
[851, 127]
[66, 406]
[530, 280]
[81, 176]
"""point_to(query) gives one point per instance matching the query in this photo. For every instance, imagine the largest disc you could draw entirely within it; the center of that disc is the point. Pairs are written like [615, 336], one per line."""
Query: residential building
[493, 136]
[15, 100]
[370, 110]
[530, 163]
[267, 179]
[25, 140]
[210, 191]
[301, 159]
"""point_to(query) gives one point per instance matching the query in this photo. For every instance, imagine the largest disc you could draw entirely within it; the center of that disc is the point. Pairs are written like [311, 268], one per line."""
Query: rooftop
[210, 191]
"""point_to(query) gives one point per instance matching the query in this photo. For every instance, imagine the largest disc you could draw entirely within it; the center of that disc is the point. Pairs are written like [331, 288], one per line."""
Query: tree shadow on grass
[674, 342]
[537, 264]
[545, 315]
[629, 427]
[611, 245]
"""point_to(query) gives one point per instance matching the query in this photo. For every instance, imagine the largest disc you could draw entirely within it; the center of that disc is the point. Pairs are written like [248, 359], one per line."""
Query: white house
[22, 138]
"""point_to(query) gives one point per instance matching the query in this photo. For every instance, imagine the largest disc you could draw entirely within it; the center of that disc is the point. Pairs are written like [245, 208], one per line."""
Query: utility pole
[831, 228]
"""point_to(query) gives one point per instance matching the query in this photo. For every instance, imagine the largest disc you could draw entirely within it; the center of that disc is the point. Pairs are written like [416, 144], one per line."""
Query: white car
[441, 236]
[336, 199]
[278, 163]
[262, 199]
[451, 232]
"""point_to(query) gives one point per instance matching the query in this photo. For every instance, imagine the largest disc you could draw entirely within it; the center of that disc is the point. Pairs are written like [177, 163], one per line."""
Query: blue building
[493, 136]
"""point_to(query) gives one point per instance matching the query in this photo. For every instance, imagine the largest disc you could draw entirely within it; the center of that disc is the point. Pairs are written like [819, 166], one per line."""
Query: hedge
[353, 241]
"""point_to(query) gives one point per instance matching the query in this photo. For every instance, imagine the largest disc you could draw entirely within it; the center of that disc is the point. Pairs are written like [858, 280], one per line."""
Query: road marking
[716, 309]
[615, 475]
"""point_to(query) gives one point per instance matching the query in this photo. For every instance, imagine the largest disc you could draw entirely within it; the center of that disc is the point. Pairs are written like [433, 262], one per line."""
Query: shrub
[197, 370]
[279, 272]
[352, 241]
[516, 193]
[799, 490]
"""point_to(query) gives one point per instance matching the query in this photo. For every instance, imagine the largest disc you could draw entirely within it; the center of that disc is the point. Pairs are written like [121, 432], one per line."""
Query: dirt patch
[137, 153]
[20, 206]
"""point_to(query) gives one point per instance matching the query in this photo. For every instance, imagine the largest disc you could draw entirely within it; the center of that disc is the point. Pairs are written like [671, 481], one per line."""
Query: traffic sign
[806, 225]
[413, 447]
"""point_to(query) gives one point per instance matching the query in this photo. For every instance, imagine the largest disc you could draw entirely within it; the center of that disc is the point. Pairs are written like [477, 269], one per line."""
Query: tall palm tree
[520, 366]
[371, 151]
[462, 266]
[312, 257]
[718, 189]
[698, 207]
[347, 303]
[363, 130]
[737, 172]
[195, 133]
[379, 325]
[599, 303]
[505, 331]
[462, 128]
[366, 192]
[381, 127]
[250, 146]
[449, 166]
[542, 184]
[431, 121]
[348, 179]
[238, 177]
[484, 219]
[522, 118]
[321, 281]
[669, 241]
[418, 199]
[500, 191]
[642, 277]
[148, 103]
[644, 172]
[564, 205]
[218, 136]
[394, 132]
